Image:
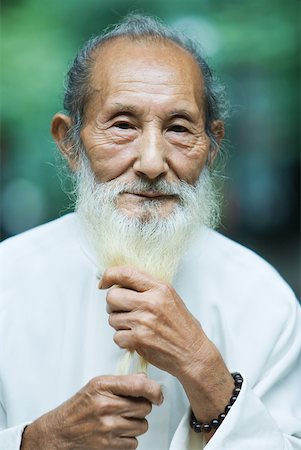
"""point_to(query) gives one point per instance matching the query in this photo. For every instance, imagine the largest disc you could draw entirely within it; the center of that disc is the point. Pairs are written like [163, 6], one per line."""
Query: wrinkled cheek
[188, 162]
[107, 166]
[189, 170]
[100, 170]
[196, 164]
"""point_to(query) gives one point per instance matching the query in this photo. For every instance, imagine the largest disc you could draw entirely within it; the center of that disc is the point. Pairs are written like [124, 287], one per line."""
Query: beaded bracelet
[199, 427]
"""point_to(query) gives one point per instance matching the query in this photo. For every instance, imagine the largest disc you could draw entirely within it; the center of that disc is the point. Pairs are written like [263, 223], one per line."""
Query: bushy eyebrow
[120, 108]
[134, 111]
[181, 114]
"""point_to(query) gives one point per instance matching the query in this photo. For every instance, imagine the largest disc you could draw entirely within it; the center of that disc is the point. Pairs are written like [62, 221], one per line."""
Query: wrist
[213, 424]
[40, 434]
[208, 385]
[199, 365]
[30, 440]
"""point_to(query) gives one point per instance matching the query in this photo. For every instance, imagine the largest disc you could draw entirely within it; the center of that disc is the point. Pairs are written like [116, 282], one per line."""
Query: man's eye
[178, 129]
[123, 125]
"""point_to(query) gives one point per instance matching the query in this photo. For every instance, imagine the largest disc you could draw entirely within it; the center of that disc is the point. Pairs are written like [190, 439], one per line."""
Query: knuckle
[149, 303]
[128, 273]
[107, 424]
[100, 384]
[138, 336]
[154, 306]
[108, 273]
[94, 384]
[104, 404]
[149, 324]
[165, 289]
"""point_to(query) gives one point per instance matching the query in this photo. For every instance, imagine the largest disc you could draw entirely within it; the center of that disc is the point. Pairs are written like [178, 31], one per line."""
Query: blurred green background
[253, 46]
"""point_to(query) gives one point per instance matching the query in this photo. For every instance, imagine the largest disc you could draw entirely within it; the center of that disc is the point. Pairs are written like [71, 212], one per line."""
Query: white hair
[149, 242]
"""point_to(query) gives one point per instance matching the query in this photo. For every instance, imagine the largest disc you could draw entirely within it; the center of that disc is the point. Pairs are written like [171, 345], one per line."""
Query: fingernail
[161, 400]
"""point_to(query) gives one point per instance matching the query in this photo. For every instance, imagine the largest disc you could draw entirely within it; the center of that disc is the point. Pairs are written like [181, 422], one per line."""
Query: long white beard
[150, 242]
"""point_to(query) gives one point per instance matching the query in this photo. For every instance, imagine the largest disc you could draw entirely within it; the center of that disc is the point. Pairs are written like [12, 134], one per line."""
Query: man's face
[145, 120]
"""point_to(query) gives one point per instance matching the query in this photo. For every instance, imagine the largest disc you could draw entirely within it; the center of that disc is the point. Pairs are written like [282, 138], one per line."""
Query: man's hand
[150, 317]
[107, 414]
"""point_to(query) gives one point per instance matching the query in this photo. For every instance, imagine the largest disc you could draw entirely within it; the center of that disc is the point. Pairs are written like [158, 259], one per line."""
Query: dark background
[252, 45]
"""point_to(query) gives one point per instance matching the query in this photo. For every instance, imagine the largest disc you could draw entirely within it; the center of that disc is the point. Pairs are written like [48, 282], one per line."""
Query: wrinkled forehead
[151, 63]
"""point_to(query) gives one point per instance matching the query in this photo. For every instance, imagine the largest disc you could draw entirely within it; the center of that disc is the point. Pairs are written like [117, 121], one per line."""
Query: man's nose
[151, 161]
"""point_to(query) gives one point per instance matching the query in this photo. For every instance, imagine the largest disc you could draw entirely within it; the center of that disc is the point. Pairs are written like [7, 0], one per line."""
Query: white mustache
[200, 201]
[159, 187]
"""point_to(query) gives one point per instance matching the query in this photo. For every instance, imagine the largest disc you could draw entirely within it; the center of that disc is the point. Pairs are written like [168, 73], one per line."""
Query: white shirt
[55, 337]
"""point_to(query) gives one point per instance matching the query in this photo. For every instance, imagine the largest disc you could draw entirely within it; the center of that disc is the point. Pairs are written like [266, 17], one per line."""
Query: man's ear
[218, 131]
[60, 126]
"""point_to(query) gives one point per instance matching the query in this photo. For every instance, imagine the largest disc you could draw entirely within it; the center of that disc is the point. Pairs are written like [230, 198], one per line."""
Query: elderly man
[138, 268]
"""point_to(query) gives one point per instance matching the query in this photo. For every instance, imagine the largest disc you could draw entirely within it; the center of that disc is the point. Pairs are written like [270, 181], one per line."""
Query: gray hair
[136, 27]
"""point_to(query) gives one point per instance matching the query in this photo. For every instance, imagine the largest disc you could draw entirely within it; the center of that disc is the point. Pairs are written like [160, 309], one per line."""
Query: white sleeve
[248, 426]
[10, 438]
[267, 415]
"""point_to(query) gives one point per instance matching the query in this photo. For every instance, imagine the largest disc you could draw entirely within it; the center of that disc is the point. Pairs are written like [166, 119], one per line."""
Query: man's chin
[148, 211]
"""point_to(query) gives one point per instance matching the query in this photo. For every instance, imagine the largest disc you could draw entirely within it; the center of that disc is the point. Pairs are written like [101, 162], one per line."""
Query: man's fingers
[135, 408]
[137, 385]
[120, 299]
[124, 427]
[126, 443]
[125, 339]
[127, 277]
[121, 321]
[129, 321]
[133, 427]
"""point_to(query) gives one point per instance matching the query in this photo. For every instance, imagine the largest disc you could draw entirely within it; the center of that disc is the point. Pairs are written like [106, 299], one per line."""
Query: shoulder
[241, 267]
[232, 252]
[35, 242]
[38, 257]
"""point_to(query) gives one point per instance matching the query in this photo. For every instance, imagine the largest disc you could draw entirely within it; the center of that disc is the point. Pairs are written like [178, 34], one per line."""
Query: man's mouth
[152, 195]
